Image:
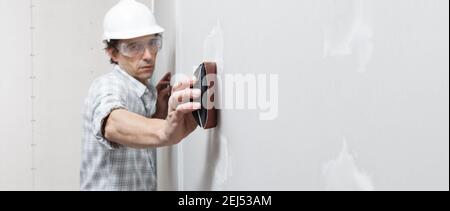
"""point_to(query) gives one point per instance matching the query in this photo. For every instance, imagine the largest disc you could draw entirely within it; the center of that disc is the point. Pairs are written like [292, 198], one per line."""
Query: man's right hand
[180, 121]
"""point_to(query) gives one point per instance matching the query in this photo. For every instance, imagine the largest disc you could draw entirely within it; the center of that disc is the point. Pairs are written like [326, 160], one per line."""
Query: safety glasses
[137, 47]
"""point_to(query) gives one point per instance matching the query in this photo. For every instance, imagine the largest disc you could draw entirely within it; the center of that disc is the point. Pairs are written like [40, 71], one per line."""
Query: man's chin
[145, 76]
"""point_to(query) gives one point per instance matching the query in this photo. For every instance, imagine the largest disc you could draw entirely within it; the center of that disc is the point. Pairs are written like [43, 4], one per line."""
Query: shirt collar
[136, 86]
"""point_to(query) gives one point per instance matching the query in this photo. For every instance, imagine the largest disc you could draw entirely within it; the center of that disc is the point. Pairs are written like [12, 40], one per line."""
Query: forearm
[133, 130]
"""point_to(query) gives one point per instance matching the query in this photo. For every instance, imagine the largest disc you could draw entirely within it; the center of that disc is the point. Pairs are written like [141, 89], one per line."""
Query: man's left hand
[164, 91]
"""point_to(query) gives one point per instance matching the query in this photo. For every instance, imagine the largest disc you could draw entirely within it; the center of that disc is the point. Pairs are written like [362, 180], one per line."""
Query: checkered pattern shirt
[106, 165]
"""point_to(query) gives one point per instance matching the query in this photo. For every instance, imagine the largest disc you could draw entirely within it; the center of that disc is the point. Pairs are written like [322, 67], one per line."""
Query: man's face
[137, 56]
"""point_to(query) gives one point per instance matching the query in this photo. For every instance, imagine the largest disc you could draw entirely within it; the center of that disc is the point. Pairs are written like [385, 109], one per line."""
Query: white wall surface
[15, 95]
[363, 94]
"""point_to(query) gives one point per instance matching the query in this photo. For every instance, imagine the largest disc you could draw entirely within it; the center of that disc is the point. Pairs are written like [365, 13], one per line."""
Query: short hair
[111, 45]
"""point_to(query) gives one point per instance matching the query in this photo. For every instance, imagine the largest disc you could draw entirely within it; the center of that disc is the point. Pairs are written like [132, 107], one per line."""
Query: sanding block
[206, 75]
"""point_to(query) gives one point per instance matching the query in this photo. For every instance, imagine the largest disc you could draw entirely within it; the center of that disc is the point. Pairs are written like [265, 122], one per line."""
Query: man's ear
[112, 53]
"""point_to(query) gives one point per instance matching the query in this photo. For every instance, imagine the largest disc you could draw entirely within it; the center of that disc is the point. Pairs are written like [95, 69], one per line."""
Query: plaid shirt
[106, 165]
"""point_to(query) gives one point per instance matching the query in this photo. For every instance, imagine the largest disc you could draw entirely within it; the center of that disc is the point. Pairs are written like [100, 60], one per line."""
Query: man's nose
[148, 56]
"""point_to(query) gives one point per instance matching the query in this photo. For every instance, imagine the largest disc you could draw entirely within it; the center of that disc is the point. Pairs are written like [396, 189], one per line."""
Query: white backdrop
[64, 39]
[15, 92]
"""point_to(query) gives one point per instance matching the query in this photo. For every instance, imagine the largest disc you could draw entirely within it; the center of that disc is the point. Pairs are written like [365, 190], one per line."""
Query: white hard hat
[129, 19]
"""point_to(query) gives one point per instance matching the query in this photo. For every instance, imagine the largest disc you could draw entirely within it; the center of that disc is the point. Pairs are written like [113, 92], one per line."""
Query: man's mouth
[147, 67]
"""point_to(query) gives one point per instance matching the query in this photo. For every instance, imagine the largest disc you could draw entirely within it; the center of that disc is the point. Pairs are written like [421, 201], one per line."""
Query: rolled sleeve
[104, 106]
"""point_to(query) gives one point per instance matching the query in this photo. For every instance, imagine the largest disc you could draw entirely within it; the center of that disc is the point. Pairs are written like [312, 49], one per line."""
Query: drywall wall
[15, 92]
[362, 97]
[52, 52]
[68, 56]
[361, 91]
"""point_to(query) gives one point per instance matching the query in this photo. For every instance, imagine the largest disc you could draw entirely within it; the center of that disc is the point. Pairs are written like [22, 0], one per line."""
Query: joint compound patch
[343, 174]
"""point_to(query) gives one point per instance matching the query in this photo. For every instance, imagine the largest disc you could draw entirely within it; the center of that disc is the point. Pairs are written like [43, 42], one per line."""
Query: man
[126, 117]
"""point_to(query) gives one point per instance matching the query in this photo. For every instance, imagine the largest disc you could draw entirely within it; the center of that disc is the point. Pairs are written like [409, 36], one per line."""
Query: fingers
[165, 92]
[164, 82]
[186, 83]
[166, 77]
[188, 107]
[183, 96]
[162, 85]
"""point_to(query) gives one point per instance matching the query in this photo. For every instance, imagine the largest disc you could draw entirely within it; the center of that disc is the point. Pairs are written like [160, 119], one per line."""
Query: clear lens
[135, 48]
